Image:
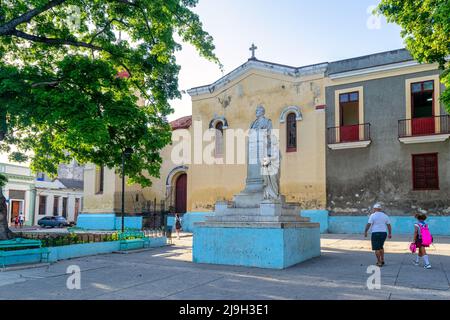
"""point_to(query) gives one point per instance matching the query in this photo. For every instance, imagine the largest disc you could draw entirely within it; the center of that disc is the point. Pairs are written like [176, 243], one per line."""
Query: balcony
[424, 130]
[349, 137]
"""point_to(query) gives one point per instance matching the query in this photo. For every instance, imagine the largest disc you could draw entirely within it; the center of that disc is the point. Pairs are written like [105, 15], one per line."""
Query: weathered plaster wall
[136, 197]
[98, 203]
[302, 173]
[357, 178]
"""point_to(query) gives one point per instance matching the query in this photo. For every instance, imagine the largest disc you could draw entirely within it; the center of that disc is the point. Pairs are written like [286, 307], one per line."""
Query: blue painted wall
[25, 256]
[80, 250]
[130, 223]
[189, 219]
[107, 221]
[439, 225]
[318, 216]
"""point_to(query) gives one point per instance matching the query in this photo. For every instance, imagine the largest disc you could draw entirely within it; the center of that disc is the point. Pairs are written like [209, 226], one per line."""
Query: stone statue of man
[261, 122]
[259, 147]
[260, 132]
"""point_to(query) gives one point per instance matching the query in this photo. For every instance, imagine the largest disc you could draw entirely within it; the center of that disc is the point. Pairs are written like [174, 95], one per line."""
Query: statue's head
[260, 111]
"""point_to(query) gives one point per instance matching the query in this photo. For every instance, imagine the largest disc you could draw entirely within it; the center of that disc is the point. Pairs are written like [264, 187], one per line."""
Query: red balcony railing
[354, 133]
[424, 126]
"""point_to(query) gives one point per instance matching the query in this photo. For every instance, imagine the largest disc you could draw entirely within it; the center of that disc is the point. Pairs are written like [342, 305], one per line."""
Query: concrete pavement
[168, 273]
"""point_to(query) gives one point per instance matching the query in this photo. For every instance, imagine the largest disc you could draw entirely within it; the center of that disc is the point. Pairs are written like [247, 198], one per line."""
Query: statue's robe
[258, 148]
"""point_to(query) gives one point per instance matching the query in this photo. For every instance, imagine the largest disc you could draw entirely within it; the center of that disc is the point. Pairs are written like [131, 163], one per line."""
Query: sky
[290, 32]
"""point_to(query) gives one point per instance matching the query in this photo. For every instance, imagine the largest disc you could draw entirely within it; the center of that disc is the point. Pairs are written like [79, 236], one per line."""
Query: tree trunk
[5, 233]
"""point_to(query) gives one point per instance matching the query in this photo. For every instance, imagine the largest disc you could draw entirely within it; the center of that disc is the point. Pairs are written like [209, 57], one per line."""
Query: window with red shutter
[425, 171]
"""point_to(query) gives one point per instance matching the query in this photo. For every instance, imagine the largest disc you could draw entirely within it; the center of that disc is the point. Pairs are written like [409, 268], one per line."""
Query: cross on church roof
[252, 49]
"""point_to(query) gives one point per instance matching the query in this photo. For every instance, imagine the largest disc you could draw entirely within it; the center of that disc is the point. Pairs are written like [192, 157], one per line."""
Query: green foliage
[426, 29]
[3, 180]
[60, 92]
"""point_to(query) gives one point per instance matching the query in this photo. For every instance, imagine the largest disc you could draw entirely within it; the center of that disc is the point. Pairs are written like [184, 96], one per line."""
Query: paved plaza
[168, 273]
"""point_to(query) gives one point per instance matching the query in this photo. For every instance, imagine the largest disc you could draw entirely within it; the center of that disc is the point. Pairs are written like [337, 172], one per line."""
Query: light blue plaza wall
[171, 221]
[130, 223]
[255, 247]
[317, 216]
[189, 219]
[107, 221]
[439, 225]
[23, 257]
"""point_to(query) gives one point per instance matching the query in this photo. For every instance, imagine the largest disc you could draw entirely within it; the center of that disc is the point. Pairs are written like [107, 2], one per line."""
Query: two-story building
[387, 136]
[19, 192]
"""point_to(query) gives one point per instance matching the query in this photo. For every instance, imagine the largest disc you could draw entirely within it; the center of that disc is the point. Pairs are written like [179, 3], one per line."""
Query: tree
[71, 72]
[3, 212]
[426, 29]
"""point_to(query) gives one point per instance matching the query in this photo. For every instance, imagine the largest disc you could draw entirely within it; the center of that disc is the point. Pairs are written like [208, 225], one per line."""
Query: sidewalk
[168, 273]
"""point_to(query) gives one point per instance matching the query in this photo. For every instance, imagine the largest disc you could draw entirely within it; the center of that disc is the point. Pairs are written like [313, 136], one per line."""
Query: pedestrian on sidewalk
[16, 221]
[380, 225]
[178, 225]
[422, 240]
[21, 219]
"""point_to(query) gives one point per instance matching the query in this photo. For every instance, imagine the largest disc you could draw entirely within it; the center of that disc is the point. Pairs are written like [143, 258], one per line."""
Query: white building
[60, 197]
[19, 192]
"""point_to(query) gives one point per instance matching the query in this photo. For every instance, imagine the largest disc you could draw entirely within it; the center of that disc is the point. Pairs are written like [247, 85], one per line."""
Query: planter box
[24, 256]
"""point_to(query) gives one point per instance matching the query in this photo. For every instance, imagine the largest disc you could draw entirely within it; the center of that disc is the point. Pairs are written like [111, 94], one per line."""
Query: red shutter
[425, 172]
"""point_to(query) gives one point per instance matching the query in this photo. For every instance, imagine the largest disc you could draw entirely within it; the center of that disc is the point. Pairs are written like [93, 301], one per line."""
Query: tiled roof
[181, 123]
[123, 74]
[72, 183]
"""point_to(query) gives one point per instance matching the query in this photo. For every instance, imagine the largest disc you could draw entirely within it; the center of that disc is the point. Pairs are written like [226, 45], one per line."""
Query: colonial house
[19, 192]
[62, 196]
[59, 197]
[387, 136]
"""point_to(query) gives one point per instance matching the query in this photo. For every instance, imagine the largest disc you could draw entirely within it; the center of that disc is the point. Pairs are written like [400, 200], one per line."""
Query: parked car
[57, 221]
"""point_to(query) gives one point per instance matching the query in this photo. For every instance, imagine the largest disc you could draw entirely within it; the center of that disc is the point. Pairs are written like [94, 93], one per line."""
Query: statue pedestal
[252, 231]
[269, 234]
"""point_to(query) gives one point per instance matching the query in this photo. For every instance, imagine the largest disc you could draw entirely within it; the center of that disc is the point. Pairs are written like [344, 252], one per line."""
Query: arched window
[291, 133]
[219, 139]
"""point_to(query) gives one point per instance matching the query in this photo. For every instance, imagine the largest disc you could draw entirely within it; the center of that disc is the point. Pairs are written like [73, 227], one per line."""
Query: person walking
[380, 225]
[422, 240]
[21, 219]
[178, 225]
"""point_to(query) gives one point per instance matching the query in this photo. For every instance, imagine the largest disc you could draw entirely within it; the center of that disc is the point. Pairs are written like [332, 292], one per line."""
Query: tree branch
[46, 83]
[9, 27]
[54, 41]
[106, 26]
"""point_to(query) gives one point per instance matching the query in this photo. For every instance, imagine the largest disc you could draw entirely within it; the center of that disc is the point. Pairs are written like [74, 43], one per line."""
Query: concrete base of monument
[270, 245]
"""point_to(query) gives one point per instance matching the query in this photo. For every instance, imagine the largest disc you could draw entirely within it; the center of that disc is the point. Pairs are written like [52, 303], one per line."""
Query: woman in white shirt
[379, 224]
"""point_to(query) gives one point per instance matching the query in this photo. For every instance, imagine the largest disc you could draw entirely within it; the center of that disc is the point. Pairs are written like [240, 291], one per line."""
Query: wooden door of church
[15, 208]
[181, 194]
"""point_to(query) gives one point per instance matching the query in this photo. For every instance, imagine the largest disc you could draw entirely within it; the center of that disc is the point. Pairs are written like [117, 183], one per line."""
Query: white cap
[377, 206]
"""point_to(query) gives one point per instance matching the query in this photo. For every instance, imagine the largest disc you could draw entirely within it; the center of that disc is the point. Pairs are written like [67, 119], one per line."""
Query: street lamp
[125, 154]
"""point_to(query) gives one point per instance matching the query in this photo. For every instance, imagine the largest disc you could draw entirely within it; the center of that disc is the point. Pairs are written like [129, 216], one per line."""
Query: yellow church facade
[206, 161]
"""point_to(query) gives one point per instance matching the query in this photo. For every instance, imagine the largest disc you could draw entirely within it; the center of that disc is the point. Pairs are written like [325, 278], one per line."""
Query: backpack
[425, 234]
